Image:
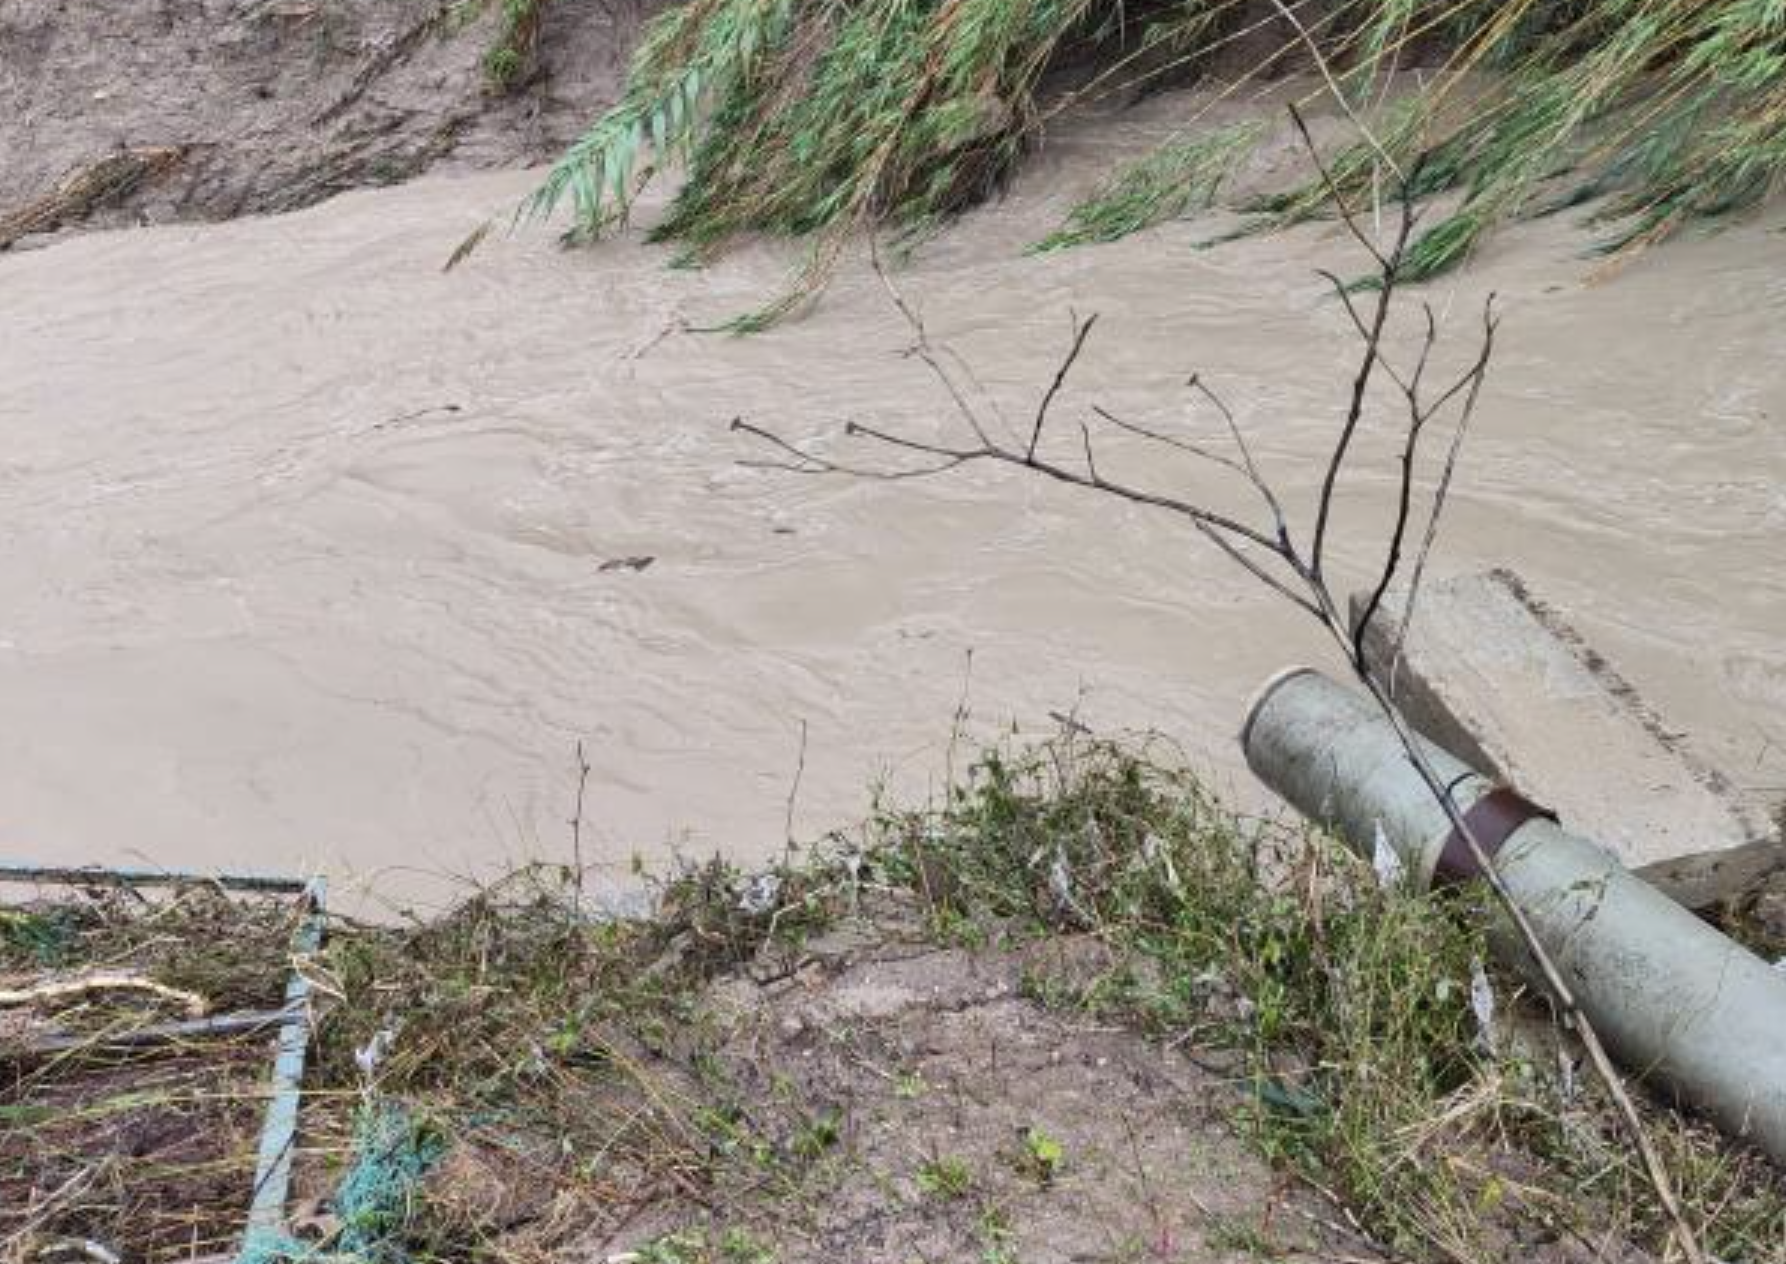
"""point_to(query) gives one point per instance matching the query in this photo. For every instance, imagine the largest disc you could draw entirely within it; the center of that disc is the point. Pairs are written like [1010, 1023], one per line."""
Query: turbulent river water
[305, 538]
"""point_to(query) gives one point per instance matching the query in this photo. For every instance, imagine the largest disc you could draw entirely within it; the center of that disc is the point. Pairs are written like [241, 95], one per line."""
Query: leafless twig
[794, 789]
[1081, 331]
[576, 821]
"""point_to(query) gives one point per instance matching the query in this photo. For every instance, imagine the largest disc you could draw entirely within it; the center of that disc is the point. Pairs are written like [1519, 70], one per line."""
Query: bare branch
[1091, 462]
[1269, 580]
[1183, 445]
[1470, 380]
[921, 344]
[856, 429]
[1440, 495]
[1081, 331]
[1417, 419]
[805, 462]
[1258, 481]
[993, 452]
[1343, 292]
[1306, 586]
[1335, 192]
[1373, 341]
[1429, 340]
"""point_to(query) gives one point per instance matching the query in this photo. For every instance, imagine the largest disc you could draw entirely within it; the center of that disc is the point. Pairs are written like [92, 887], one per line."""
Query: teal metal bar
[272, 1169]
[164, 1033]
[80, 875]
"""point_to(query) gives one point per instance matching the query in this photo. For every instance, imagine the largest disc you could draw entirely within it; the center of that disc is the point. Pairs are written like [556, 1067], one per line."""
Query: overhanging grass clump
[815, 117]
[1659, 111]
[801, 118]
[510, 55]
[1180, 178]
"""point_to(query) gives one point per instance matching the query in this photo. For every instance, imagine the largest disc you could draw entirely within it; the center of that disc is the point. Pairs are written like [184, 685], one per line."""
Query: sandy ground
[939, 1070]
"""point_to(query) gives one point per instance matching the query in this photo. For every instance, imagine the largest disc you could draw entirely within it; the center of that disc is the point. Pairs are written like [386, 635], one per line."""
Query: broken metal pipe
[1675, 1001]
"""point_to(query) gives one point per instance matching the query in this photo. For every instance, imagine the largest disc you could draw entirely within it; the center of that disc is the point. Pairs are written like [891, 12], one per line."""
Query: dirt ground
[942, 1082]
[870, 1095]
[953, 1117]
[208, 109]
[154, 1155]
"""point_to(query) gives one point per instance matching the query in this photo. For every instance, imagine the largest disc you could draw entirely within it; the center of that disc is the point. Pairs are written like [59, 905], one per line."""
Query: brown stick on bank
[1270, 550]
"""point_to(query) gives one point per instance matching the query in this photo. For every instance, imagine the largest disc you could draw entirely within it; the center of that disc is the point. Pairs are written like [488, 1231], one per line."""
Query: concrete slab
[1504, 683]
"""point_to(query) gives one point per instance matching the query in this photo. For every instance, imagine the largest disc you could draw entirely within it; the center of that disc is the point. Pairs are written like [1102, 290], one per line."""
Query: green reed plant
[813, 118]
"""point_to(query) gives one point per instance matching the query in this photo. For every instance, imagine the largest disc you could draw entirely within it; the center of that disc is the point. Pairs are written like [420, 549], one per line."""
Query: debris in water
[89, 187]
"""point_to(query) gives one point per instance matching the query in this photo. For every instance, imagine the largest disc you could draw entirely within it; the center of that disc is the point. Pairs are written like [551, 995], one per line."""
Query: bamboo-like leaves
[812, 117]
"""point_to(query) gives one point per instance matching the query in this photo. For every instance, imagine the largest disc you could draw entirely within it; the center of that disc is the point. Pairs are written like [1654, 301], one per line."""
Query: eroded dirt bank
[210, 109]
[313, 548]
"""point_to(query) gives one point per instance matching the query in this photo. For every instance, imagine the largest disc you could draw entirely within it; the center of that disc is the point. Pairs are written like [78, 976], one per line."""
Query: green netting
[393, 1153]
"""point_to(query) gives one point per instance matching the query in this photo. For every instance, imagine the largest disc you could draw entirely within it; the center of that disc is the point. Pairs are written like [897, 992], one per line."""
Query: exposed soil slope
[209, 109]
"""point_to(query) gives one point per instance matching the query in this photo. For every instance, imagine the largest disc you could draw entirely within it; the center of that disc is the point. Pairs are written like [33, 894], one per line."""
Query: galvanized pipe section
[95, 875]
[1675, 1001]
[279, 1132]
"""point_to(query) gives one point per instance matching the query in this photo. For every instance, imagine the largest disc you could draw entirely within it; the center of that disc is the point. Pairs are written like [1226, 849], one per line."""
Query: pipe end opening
[1263, 694]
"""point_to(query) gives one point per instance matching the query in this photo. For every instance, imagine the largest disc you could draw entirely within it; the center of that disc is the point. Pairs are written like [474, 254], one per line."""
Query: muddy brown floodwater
[306, 540]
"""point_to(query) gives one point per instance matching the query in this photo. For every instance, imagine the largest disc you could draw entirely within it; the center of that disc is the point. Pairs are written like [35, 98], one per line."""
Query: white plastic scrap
[1155, 851]
[759, 895]
[1780, 965]
[1060, 880]
[1482, 1004]
[1387, 863]
[369, 1055]
[81, 1248]
[1566, 1075]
